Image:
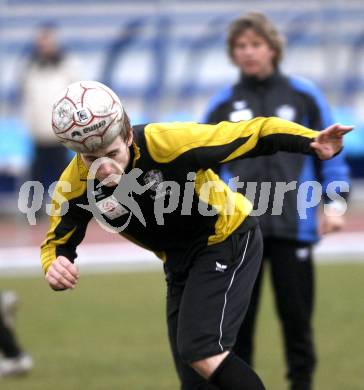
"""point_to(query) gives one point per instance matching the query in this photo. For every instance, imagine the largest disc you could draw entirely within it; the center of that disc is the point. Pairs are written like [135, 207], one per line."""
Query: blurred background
[165, 59]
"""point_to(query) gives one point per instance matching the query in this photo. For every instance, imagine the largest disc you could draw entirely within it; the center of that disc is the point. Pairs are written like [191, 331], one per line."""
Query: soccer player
[211, 252]
[256, 48]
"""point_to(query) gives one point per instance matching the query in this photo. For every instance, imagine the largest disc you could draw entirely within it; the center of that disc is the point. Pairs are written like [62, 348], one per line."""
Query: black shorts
[206, 304]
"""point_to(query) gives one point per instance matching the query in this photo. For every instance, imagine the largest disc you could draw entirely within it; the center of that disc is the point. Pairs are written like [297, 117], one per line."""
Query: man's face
[117, 157]
[253, 55]
[46, 42]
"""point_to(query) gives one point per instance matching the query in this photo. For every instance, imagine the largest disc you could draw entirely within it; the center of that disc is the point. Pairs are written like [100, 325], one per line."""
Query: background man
[256, 48]
[48, 71]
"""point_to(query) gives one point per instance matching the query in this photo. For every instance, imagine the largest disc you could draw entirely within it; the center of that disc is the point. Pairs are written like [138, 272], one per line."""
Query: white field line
[341, 247]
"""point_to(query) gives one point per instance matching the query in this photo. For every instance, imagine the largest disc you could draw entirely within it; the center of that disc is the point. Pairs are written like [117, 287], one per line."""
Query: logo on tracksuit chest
[286, 112]
[240, 112]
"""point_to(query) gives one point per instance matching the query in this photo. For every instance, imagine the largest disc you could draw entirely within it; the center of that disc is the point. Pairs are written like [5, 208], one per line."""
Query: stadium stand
[165, 58]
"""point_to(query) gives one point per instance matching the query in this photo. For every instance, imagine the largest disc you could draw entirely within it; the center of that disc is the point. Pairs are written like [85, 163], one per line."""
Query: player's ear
[130, 137]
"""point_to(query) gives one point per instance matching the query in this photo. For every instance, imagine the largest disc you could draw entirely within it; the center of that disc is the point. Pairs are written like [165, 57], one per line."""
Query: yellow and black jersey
[178, 161]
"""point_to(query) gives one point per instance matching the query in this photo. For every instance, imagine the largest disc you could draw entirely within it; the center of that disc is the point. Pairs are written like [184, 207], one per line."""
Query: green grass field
[110, 333]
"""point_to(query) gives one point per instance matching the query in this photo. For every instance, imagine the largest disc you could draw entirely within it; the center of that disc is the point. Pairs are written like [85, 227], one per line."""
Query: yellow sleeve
[66, 231]
[209, 145]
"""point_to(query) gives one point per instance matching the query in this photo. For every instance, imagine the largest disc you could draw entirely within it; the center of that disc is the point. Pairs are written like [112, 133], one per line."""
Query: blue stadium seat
[16, 152]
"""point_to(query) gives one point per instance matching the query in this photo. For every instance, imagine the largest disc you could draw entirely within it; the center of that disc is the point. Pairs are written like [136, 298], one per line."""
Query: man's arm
[58, 251]
[206, 146]
[335, 169]
[68, 225]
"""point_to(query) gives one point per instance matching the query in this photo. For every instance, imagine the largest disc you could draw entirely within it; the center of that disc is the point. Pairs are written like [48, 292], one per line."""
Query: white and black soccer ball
[87, 116]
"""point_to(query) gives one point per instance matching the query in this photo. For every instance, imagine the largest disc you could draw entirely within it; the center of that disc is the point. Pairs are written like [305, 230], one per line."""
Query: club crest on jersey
[286, 112]
[111, 208]
[153, 176]
[241, 112]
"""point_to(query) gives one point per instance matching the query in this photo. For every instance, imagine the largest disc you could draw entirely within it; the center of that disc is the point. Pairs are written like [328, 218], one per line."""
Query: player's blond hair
[263, 27]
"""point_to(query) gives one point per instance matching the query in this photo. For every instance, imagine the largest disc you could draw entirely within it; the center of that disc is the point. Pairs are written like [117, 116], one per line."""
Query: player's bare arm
[62, 274]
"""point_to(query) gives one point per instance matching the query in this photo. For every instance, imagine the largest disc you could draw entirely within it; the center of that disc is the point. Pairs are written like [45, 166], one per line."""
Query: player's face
[253, 55]
[117, 159]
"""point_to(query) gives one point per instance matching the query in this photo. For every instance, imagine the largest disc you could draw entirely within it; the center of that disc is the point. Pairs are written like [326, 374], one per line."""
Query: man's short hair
[125, 128]
[262, 26]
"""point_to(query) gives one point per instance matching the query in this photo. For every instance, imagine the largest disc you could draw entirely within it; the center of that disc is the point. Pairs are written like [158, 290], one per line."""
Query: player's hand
[331, 224]
[62, 274]
[330, 141]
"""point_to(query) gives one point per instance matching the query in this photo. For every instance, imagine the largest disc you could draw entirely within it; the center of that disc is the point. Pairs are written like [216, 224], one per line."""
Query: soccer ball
[87, 116]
